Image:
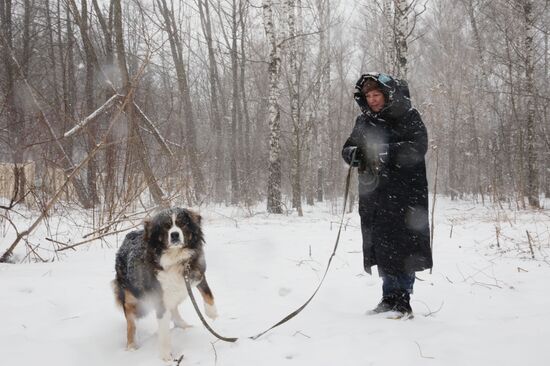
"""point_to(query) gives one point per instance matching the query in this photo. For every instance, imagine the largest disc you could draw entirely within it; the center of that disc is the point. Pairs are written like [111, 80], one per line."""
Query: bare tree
[324, 102]
[294, 108]
[531, 139]
[90, 100]
[110, 156]
[235, 108]
[136, 143]
[171, 28]
[248, 175]
[274, 197]
[15, 114]
[216, 98]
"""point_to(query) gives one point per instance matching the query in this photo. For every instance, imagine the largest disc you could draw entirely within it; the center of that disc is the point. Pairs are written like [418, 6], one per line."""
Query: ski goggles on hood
[383, 79]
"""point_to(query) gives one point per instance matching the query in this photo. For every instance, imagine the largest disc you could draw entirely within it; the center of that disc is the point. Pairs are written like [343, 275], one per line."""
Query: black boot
[386, 304]
[402, 304]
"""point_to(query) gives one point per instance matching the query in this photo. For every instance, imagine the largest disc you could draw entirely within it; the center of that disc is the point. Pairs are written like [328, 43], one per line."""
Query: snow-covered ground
[483, 304]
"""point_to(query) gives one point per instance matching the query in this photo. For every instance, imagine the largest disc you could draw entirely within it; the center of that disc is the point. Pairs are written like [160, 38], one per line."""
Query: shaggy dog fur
[149, 271]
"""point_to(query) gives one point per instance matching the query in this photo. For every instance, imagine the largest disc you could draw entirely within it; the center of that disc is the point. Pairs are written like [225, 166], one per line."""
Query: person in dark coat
[388, 144]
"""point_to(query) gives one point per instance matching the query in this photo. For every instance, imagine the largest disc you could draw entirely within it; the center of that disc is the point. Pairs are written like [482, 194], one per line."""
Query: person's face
[375, 100]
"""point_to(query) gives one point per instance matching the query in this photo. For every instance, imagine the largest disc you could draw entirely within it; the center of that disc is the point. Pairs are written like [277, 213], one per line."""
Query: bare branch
[154, 131]
[79, 126]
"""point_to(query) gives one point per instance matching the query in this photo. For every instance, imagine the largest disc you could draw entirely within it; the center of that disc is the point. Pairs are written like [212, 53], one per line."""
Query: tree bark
[274, 197]
[401, 29]
[91, 171]
[389, 36]
[323, 139]
[234, 146]
[294, 108]
[247, 169]
[531, 138]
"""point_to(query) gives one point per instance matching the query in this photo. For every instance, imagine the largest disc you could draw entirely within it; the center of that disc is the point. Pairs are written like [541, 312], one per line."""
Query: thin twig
[58, 242]
[95, 238]
[421, 354]
[497, 230]
[530, 244]
[215, 352]
[300, 333]
[125, 218]
[430, 312]
[227, 217]
[33, 251]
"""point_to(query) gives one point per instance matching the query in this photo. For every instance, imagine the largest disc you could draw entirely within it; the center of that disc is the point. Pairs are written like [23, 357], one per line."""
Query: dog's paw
[166, 356]
[182, 324]
[131, 347]
[211, 311]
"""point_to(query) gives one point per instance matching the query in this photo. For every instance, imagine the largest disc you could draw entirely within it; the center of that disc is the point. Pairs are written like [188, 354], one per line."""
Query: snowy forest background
[118, 106]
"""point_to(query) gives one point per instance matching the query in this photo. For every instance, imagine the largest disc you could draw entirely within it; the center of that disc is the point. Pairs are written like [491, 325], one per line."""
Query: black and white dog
[150, 269]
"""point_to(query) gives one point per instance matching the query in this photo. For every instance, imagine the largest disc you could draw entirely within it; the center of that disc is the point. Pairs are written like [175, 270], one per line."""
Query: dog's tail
[123, 298]
[119, 293]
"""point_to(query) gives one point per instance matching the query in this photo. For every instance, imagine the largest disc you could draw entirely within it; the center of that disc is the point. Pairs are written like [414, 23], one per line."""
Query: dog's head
[174, 227]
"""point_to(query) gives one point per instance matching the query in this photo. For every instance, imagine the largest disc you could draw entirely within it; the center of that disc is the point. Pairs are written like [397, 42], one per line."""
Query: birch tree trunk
[401, 29]
[274, 198]
[531, 138]
[389, 36]
[294, 108]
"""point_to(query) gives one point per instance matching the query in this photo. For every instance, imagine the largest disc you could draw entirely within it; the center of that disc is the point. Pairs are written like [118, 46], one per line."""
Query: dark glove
[352, 156]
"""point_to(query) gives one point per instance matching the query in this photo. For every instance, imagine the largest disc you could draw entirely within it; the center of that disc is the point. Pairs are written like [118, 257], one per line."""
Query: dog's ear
[195, 217]
[147, 226]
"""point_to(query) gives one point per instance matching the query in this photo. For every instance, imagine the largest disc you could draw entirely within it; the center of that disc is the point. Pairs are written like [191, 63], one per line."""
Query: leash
[295, 312]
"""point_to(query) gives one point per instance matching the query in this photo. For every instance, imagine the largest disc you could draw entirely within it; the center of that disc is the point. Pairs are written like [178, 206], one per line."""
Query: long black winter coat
[393, 189]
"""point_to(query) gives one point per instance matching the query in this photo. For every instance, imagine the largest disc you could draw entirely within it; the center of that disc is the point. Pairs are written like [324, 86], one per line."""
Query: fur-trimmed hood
[395, 91]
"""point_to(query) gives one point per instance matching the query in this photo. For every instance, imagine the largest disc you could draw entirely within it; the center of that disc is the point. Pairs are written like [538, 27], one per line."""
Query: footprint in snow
[283, 291]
